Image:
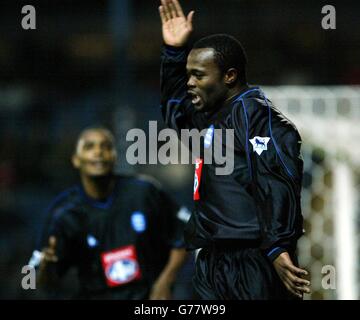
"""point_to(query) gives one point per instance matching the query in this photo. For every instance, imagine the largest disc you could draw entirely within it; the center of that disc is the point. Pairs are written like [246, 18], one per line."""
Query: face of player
[95, 155]
[206, 84]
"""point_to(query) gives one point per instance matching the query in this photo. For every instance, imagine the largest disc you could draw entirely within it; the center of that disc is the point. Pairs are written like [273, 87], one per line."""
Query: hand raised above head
[176, 28]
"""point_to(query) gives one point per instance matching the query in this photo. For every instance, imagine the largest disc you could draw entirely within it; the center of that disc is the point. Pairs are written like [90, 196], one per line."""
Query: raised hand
[176, 28]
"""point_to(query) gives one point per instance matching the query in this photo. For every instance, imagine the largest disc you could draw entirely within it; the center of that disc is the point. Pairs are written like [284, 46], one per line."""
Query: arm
[51, 260]
[170, 222]
[275, 186]
[47, 276]
[161, 289]
[176, 106]
[278, 176]
[283, 221]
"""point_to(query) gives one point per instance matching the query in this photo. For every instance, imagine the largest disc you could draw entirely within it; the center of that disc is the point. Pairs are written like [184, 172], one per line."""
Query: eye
[88, 146]
[107, 146]
[196, 74]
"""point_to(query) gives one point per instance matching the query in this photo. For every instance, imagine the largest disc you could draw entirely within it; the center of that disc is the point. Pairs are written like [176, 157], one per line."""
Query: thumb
[52, 242]
[190, 17]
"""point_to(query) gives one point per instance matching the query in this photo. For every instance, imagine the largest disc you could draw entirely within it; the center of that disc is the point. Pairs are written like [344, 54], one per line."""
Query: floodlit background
[91, 62]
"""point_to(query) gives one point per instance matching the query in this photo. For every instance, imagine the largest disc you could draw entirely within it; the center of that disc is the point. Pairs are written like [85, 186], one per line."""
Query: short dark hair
[229, 53]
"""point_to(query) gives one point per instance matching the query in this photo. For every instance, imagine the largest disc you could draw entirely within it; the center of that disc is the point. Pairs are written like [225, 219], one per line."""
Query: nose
[98, 150]
[191, 82]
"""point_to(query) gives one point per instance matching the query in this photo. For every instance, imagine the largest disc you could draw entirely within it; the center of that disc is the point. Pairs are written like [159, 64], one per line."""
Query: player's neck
[236, 91]
[98, 188]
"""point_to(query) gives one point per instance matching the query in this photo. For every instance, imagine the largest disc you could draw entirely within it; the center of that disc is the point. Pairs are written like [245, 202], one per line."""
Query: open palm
[176, 28]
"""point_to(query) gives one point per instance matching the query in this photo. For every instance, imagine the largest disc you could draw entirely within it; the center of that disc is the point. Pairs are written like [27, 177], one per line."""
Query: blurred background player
[248, 221]
[122, 233]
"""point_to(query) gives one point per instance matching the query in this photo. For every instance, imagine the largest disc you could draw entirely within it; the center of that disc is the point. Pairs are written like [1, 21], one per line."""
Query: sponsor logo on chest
[120, 266]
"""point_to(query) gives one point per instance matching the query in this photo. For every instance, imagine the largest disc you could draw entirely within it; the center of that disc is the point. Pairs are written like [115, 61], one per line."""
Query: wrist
[175, 45]
[273, 253]
[172, 49]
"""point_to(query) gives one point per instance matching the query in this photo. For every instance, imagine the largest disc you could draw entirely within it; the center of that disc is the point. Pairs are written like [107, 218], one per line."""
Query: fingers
[165, 10]
[295, 279]
[293, 290]
[297, 284]
[297, 270]
[52, 242]
[178, 9]
[49, 253]
[170, 9]
[300, 288]
[300, 284]
[292, 276]
[301, 281]
[303, 289]
[173, 11]
[162, 15]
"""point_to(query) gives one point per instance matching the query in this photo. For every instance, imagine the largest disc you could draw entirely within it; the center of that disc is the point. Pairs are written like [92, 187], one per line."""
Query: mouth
[195, 98]
[99, 164]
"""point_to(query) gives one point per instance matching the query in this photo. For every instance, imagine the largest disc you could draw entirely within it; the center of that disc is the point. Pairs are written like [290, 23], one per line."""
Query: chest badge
[91, 241]
[259, 144]
[121, 266]
[138, 221]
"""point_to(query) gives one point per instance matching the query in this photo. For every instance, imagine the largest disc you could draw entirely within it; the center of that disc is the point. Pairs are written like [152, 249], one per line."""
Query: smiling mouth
[99, 164]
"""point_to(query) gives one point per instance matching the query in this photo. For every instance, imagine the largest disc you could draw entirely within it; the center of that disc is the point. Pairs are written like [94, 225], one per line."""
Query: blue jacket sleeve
[276, 175]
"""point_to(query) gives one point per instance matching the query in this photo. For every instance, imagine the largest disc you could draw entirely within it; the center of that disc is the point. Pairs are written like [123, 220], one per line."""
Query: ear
[231, 76]
[75, 161]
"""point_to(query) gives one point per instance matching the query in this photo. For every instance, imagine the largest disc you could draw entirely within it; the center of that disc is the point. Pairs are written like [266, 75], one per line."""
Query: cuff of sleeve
[173, 51]
[35, 259]
[273, 253]
[178, 244]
